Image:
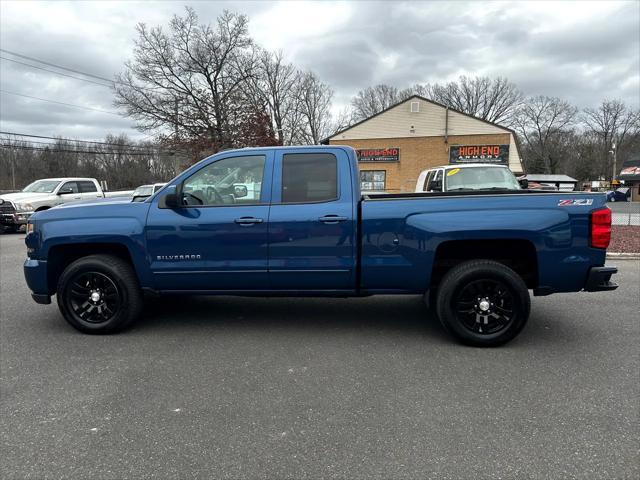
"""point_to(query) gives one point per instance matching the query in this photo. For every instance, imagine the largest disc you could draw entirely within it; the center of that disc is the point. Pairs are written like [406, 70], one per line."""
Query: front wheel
[99, 294]
[483, 303]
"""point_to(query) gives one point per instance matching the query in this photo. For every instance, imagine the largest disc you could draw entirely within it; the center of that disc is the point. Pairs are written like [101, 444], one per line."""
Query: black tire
[119, 299]
[471, 287]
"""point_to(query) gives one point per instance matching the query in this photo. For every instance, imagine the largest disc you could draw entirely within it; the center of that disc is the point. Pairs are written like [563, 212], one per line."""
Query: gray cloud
[583, 52]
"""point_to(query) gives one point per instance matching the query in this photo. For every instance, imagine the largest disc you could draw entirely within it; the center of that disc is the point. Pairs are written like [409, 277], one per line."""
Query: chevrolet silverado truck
[16, 208]
[306, 230]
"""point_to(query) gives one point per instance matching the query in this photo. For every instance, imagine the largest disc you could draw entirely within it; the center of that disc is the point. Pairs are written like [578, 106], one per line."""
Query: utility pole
[14, 154]
[613, 151]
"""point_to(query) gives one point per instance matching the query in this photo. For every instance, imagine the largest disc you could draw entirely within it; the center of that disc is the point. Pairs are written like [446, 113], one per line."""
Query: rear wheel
[99, 294]
[483, 303]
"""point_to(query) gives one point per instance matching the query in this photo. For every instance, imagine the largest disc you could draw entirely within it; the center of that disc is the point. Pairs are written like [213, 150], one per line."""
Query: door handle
[247, 221]
[333, 219]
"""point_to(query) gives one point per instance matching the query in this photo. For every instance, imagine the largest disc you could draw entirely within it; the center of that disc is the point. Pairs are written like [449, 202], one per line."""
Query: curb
[623, 256]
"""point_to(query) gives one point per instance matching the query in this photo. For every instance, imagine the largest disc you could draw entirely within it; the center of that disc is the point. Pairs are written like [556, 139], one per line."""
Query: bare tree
[190, 80]
[274, 89]
[612, 123]
[541, 121]
[314, 106]
[374, 99]
[495, 100]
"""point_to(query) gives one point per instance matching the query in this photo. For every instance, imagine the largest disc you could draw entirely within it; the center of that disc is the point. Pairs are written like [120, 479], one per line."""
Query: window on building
[309, 177]
[373, 180]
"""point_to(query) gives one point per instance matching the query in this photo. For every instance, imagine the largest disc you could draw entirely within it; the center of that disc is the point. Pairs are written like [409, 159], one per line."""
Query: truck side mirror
[65, 191]
[524, 183]
[170, 199]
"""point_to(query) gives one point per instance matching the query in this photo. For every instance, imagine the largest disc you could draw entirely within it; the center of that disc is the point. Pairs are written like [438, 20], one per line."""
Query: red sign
[479, 153]
[391, 154]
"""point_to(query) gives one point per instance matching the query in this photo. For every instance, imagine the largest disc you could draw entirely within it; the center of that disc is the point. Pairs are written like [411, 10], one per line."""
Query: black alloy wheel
[93, 297]
[99, 294]
[485, 306]
[483, 303]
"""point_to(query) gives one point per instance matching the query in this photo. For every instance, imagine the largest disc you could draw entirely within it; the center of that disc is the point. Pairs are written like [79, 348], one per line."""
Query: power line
[67, 139]
[57, 73]
[56, 66]
[58, 150]
[60, 103]
[67, 143]
[98, 77]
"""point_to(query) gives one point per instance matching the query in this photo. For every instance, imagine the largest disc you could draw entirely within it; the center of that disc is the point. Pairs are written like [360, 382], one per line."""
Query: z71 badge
[575, 201]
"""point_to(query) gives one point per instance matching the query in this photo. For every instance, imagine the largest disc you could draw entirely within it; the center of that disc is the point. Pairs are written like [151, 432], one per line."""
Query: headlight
[23, 207]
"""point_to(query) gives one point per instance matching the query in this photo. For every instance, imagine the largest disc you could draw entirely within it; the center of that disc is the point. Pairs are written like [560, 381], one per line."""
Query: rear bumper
[35, 273]
[599, 279]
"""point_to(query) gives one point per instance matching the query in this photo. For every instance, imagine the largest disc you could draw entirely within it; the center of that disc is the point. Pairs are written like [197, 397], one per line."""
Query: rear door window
[87, 187]
[309, 177]
[435, 185]
[427, 180]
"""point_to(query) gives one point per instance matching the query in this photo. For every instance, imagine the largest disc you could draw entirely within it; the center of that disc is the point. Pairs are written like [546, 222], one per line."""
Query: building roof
[630, 170]
[325, 141]
[542, 177]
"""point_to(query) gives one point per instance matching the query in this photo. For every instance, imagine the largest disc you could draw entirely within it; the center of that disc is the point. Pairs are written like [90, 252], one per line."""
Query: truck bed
[403, 235]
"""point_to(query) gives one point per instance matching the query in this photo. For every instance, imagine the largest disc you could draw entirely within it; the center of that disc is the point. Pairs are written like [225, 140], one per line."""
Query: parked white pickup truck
[468, 177]
[16, 208]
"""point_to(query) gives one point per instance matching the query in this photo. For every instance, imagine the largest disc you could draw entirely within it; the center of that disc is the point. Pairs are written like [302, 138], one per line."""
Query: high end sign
[391, 154]
[498, 154]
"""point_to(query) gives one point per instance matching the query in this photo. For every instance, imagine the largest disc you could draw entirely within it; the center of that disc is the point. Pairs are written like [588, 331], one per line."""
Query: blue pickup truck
[291, 221]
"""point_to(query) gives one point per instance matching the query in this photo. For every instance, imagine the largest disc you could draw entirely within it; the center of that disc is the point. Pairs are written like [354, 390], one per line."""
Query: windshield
[481, 178]
[42, 186]
[145, 190]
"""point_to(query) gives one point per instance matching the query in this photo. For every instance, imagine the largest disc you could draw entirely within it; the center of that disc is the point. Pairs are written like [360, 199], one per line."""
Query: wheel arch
[518, 254]
[61, 256]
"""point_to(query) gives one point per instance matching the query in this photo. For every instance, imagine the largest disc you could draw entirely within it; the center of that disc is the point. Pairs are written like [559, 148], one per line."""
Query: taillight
[601, 228]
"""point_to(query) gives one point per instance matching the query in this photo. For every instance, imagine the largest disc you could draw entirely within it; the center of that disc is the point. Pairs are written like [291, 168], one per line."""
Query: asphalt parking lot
[318, 388]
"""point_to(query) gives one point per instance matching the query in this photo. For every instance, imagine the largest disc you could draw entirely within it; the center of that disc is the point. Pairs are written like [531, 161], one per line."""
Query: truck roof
[60, 179]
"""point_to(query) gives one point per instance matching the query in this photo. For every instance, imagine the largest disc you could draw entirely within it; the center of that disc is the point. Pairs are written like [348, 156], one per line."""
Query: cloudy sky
[582, 51]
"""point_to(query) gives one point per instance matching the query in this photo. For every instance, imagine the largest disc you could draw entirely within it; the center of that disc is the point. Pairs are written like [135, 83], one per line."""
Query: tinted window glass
[309, 177]
[230, 181]
[436, 182]
[87, 187]
[70, 185]
[427, 181]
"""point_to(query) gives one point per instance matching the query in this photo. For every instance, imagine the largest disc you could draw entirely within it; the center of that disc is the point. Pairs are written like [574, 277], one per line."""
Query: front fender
[128, 232]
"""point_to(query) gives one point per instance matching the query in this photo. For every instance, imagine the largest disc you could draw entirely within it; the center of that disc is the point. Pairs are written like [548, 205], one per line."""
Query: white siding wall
[514, 159]
[399, 121]
[429, 122]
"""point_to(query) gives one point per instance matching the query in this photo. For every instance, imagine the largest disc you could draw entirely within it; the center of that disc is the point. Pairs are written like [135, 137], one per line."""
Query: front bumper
[599, 279]
[35, 273]
[17, 218]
